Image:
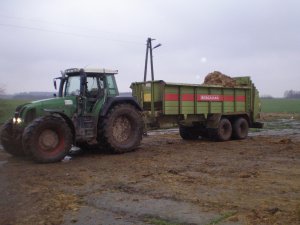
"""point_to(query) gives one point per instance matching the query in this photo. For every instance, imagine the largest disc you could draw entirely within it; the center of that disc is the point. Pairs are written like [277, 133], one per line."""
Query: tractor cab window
[111, 85]
[92, 87]
[72, 86]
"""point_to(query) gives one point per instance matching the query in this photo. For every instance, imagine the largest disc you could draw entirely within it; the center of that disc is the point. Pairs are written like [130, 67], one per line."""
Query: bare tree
[2, 90]
[292, 94]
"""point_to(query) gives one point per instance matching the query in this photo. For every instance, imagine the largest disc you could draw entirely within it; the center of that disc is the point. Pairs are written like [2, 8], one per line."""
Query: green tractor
[87, 112]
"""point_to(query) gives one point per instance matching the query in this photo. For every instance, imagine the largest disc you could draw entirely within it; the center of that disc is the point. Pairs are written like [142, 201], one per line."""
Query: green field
[7, 108]
[279, 105]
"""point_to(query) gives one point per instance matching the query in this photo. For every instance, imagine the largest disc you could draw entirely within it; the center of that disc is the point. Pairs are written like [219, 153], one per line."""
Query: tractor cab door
[86, 90]
[89, 88]
[94, 91]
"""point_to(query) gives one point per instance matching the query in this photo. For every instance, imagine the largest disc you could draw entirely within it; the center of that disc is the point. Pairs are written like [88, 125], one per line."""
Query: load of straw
[217, 78]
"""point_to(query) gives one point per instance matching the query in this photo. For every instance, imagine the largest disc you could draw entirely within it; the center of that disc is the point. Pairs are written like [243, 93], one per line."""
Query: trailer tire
[188, 133]
[48, 139]
[240, 128]
[224, 130]
[121, 129]
[11, 141]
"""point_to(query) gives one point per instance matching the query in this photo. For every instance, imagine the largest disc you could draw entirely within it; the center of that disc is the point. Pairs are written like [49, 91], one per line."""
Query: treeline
[33, 95]
[267, 96]
[292, 94]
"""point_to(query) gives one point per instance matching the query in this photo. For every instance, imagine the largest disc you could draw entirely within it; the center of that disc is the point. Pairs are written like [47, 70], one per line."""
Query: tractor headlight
[17, 120]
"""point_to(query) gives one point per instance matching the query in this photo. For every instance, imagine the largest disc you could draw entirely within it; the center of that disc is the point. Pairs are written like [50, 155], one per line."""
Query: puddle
[163, 131]
[124, 208]
[276, 127]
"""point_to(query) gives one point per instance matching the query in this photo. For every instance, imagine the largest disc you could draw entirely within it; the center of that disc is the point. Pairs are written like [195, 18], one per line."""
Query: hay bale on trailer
[218, 78]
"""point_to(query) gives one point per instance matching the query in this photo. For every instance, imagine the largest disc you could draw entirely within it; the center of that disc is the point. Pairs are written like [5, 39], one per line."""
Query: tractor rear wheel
[224, 130]
[240, 128]
[48, 139]
[121, 129]
[11, 140]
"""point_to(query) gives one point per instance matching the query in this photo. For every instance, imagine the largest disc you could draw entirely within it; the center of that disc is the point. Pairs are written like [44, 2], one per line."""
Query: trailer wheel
[121, 129]
[224, 130]
[240, 128]
[11, 140]
[188, 133]
[48, 139]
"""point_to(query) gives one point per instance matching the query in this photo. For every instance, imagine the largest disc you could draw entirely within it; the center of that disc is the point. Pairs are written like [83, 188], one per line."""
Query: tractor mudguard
[111, 101]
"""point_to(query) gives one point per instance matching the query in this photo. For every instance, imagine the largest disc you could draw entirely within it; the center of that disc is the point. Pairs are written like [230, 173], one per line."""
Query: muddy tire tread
[240, 129]
[218, 135]
[30, 132]
[12, 145]
[105, 139]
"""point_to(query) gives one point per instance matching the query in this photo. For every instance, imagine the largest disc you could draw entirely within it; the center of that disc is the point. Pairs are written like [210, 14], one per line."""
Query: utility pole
[149, 51]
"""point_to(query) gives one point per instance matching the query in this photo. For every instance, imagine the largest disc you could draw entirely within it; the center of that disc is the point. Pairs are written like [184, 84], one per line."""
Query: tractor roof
[91, 70]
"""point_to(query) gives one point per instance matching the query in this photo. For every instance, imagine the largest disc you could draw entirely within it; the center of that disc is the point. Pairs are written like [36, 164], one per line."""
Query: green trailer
[214, 111]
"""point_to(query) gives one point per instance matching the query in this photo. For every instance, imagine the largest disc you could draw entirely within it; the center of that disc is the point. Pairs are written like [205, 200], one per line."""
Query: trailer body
[195, 106]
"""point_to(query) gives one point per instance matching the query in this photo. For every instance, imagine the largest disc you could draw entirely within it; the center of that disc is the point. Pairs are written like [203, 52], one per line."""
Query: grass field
[280, 105]
[7, 108]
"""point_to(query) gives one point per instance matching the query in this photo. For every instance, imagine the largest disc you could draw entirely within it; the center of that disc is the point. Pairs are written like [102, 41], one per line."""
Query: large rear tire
[121, 129]
[11, 140]
[240, 128]
[188, 133]
[48, 139]
[224, 130]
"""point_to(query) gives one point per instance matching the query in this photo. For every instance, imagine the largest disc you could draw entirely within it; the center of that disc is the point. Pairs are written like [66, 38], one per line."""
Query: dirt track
[166, 181]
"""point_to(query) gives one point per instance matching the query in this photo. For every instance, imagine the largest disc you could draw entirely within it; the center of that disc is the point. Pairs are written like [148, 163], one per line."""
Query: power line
[68, 33]
[68, 25]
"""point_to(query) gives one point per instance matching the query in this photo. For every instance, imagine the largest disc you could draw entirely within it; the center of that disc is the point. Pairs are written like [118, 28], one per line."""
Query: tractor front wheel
[11, 140]
[48, 139]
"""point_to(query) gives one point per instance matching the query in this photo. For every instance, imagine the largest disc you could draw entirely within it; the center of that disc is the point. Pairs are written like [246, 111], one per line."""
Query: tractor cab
[87, 86]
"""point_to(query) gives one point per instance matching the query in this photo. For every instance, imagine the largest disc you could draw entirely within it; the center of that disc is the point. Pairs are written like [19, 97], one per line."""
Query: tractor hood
[62, 105]
[52, 103]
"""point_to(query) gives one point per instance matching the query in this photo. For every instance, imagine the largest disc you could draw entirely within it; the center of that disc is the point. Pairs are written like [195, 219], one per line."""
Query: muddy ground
[166, 181]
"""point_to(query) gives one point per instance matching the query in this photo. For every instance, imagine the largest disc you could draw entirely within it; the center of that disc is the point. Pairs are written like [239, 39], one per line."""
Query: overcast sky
[257, 38]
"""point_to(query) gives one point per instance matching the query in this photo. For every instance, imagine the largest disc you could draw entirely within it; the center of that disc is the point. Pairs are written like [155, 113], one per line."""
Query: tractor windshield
[72, 86]
[91, 86]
